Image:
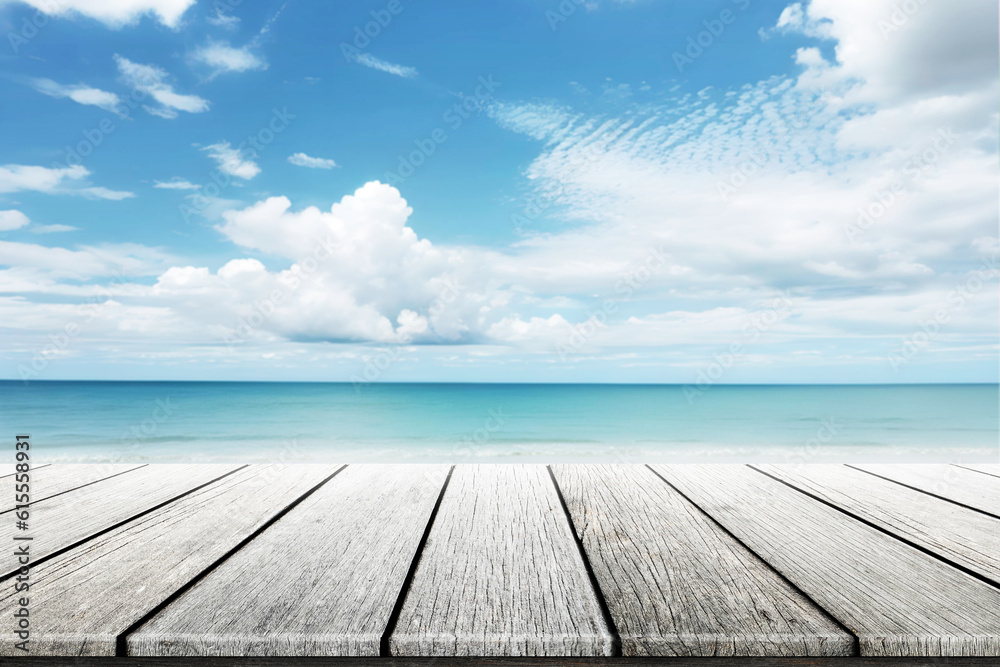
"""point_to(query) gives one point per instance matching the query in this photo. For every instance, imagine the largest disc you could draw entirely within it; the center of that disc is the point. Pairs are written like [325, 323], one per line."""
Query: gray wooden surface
[185, 560]
[954, 483]
[957, 534]
[678, 585]
[8, 469]
[83, 599]
[323, 580]
[45, 482]
[985, 468]
[61, 521]
[501, 574]
[570, 661]
[897, 600]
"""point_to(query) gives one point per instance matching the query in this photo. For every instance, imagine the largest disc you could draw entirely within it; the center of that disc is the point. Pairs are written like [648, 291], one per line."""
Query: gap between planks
[121, 643]
[885, 531]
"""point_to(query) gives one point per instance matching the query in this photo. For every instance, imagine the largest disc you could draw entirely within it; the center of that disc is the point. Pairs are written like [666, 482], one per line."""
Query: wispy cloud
[153, 81]
[19, 177]
[221, 57]
[268, 24]
[222, 20]
[79, 93]
[303, 160]
[368, 60]
[103, 193]
[52, 229]
[232, 161]
[176, 184]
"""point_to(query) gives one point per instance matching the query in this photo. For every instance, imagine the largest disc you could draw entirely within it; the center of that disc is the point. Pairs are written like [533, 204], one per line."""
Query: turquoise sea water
[255, 422]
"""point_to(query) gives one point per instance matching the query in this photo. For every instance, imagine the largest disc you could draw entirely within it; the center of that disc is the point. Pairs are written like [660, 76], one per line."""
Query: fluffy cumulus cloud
[12, 219]
[355, 272]
[154, 82]
[116, 13]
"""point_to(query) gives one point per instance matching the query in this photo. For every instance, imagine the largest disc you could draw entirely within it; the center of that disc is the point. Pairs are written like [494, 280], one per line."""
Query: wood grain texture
[501, 574]
[321, 581]
[66, 519]
[897, 600]
[678, 585]
[46, 482]
[985, 468]
[83, 599]
[8, 469]
[954, 483]
[857, 661]
[957, 534]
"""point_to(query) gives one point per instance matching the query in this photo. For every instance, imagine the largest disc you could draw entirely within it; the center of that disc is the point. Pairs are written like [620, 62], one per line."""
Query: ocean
[497, 423]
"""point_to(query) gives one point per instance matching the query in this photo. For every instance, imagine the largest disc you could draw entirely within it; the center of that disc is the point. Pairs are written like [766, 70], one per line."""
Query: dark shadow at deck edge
[854, 661]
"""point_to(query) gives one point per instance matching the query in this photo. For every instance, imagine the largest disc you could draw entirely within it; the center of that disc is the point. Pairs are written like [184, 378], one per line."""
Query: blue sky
[612, 191]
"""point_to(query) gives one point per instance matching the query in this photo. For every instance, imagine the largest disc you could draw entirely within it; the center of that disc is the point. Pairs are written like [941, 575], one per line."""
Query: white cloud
[19, 177]
[153, 81]
[624, 206]
[87, 262]
[824, 146]
[358, 273]
[12, 219]
[176, 184]
[223, 20]
[52, 229]
[116, 13]
[303, 160]
[232, 160]
[368, 60]
[104, 193]
[222, 57]
[902, 56]
[79, 93]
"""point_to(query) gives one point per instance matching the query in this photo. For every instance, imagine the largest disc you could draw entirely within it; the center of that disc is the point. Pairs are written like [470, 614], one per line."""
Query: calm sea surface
[255, 422]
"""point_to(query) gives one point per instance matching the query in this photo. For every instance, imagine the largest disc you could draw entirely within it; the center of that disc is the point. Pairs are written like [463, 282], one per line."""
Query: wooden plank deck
[768, 565]
[339, 560]
[676, 583]
[897, 600]
[953, 483]
[52, 480]
[501, 574]
[962, 536]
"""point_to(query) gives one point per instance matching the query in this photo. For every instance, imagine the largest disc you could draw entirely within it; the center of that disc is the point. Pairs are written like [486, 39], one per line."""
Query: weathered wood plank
[957, 534]
[985, 468]
[856, 661]
[8, 469]
[83, 599]
[955, 483]
[66, 519]
[678, 585]
[501, 574]
[897, 600]
[323, 580]
[53, 480]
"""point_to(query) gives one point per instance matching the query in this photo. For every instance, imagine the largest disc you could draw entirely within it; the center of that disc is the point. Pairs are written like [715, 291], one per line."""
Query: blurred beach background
[82, 421]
